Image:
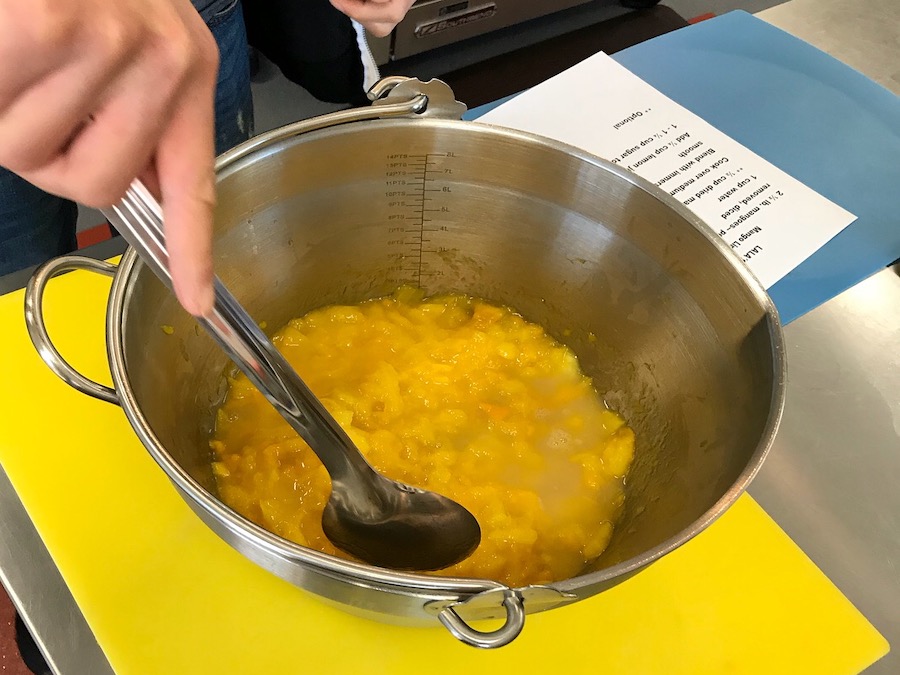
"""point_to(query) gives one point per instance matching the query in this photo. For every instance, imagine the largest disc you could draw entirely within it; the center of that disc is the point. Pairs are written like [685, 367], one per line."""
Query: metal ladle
[378, 520]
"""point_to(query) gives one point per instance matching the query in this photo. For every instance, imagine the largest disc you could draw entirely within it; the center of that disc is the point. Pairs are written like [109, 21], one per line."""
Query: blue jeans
[36, 226]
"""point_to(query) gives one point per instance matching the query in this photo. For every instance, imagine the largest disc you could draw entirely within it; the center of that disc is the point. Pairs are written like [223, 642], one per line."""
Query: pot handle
[391, 97]
[515, 620]
[37, 328]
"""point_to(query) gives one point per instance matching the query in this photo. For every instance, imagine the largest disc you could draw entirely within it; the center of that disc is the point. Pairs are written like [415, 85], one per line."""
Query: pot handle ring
[515, 620]
[392, 97]
[37, 328]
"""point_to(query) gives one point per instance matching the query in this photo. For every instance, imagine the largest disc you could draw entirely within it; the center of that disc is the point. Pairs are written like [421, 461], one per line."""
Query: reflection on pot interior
[451, 394]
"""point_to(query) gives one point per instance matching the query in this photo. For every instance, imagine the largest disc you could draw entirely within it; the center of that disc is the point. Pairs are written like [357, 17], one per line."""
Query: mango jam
[450, 394]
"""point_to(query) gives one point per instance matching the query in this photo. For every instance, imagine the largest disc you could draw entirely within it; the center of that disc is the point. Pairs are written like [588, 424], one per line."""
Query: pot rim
[406, 581]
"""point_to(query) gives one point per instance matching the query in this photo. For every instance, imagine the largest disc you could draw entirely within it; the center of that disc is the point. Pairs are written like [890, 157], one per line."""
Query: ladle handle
[138, 217]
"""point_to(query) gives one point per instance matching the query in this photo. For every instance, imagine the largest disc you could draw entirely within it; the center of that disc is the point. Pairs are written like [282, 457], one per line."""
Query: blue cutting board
[807, 113]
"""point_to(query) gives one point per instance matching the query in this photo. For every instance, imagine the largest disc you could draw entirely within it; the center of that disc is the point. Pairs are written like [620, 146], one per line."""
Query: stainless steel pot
[677, 334]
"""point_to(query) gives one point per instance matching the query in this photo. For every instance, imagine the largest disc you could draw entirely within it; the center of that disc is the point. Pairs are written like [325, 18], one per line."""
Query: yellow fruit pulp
[451, 394]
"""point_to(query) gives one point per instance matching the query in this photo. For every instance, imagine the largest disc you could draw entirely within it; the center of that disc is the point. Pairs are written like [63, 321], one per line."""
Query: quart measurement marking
[416, 176]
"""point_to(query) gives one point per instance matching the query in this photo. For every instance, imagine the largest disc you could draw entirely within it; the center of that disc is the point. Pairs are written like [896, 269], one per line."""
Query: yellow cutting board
[164, 595]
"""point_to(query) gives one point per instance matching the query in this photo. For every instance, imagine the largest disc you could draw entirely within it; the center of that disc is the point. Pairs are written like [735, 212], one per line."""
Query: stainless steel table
[832, 481]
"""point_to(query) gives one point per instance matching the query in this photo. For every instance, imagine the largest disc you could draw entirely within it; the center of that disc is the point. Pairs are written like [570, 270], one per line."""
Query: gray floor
[278, 101]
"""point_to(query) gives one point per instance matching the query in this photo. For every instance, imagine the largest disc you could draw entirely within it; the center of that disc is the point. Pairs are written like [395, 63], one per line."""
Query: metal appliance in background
[430, 24]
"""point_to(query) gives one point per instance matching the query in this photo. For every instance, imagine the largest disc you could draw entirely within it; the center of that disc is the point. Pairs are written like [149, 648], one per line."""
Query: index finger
[184, 169]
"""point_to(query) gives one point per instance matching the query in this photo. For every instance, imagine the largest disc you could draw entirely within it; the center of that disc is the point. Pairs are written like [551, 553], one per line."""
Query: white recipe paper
[770, 219]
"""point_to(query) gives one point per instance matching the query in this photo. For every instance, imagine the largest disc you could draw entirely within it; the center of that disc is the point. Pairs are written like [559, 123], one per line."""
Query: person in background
[318, 47]
[95, 93]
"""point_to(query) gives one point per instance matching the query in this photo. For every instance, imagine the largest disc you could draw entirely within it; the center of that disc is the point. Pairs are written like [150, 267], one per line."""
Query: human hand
[379, 17]
[95, 93]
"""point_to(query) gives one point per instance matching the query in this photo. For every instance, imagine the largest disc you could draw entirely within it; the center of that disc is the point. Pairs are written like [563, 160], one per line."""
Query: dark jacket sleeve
[312, 43]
